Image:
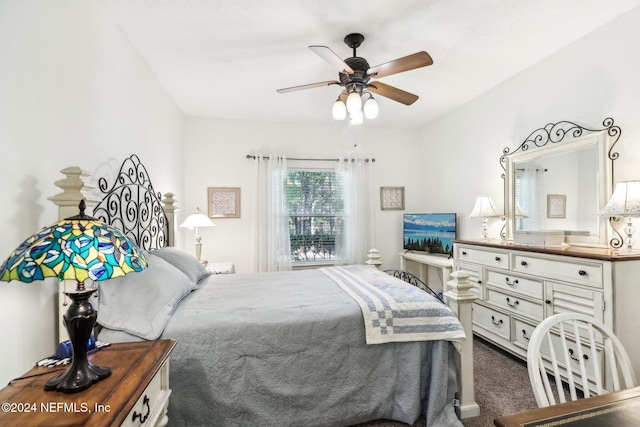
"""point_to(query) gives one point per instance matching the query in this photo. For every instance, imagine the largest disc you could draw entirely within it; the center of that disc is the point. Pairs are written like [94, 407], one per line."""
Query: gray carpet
[501, 387]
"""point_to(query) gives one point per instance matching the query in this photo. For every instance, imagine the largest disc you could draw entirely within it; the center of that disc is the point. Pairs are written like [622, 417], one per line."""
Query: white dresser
[518, 286]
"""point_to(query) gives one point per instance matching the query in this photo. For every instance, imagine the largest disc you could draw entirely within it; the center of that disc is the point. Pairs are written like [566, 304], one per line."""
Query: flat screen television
[429, 232]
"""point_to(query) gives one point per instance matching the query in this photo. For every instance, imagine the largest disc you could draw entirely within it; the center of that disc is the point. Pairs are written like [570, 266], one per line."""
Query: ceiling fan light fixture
[339, 110]
[354, 102]
[370, 108]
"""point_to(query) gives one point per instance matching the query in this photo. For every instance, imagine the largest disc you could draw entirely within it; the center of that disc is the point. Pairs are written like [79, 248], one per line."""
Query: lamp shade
[370, 108]
[354, 102]
[77, 249]
[339, 110]
[483, 208]
[625, 200]
[197, 220]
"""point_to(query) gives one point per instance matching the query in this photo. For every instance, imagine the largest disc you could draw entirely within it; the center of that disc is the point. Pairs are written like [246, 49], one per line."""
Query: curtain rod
[250, 156]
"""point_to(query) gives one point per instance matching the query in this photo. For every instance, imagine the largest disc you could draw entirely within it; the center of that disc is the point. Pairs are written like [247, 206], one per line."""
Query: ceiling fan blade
[391, 92]
[411, 62]
[309, 86]
[334, 60]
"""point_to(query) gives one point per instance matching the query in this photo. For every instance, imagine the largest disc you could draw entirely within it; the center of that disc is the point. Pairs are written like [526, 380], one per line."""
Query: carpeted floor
[501, 387]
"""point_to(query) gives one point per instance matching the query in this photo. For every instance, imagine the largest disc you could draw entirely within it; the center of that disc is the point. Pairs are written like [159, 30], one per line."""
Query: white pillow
[184, 262]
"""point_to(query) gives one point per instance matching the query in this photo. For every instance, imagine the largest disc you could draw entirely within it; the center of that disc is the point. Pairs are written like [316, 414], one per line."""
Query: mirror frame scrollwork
[560, 133]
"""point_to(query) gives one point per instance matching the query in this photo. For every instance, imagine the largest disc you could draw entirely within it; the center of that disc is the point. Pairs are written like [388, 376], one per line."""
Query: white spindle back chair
[561, 341]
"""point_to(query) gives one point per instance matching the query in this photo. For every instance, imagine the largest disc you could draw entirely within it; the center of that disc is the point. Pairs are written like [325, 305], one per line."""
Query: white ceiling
[226, 58]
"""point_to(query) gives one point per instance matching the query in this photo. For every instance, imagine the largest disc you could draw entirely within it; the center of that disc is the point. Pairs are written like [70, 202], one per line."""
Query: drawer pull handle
[510, 283]
[547, 301]
[464, 252]
[143, 419]
[523, 263]
[524, 335]
[582, 273]
[512, 304]
[497, 323]
[584, 356]
[498, 259]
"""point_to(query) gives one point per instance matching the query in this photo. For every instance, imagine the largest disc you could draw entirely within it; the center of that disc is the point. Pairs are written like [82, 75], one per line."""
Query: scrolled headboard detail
[131, 204]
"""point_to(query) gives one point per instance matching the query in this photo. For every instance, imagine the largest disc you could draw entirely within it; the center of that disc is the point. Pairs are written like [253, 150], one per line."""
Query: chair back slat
[582, 355]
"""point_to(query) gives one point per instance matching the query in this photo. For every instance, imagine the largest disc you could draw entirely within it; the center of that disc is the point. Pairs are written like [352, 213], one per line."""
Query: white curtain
[357, 235]
[271, 247]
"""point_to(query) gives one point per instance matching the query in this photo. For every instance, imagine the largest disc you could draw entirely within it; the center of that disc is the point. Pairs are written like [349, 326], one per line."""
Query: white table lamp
[485, 209]
[625, 202]
[197, 220]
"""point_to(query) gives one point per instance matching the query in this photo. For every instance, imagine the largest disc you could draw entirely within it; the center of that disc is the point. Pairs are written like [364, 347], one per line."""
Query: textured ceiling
[226, 58]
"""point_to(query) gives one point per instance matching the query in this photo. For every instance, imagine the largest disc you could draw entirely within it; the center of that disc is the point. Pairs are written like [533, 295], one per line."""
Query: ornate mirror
[558, 179]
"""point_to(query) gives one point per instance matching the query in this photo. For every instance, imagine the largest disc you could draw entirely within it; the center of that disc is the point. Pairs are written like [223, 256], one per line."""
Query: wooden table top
[106, 403]
[620, 409]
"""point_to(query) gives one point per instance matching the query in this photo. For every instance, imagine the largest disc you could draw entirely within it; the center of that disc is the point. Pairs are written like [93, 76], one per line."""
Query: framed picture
[556, 206]
[392, 198]
[223, 202]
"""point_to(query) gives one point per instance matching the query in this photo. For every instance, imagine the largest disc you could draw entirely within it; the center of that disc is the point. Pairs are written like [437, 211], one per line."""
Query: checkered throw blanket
[395, 311]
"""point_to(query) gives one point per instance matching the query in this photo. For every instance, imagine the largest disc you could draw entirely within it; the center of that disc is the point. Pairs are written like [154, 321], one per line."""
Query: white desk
[442, 263]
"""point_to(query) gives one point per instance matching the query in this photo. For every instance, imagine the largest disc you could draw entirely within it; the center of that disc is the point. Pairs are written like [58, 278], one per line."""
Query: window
[316, 209]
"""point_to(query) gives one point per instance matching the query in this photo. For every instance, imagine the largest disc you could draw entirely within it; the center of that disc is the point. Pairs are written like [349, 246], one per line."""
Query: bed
[308, 347]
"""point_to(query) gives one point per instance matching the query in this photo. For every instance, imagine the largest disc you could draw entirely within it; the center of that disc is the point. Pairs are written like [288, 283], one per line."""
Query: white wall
[73, 93]
[594, 78]
[215, 156]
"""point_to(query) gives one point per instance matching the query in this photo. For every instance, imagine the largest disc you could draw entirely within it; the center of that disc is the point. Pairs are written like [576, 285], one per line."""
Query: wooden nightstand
[136, 393]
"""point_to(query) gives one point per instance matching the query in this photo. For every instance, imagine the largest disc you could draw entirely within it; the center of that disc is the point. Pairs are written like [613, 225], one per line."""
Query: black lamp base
[79, 320]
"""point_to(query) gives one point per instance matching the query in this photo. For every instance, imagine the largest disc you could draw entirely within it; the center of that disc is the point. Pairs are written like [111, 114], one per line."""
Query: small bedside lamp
[197, 220]
[77, 248]
[484, 209]
[625, 202]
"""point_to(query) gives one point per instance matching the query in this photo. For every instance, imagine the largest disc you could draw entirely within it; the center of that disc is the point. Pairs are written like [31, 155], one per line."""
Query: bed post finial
[74, 189]
[170, 211]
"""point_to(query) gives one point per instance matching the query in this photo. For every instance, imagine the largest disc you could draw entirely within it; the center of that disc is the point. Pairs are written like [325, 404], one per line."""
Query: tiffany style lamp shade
[77, 248]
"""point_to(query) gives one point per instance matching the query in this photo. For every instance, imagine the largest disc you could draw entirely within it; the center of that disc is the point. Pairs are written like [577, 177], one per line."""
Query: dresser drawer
[152, 403]
[494, 258]
[515, 304]
[522, 333]
[515, 283]
[492, 321]
[572, 355]
[564, 268]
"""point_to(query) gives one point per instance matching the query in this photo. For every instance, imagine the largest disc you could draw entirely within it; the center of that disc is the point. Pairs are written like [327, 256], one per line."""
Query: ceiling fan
[355, 77]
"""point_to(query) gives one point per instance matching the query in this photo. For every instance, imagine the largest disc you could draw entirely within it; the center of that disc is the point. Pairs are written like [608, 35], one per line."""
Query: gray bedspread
[288, 349]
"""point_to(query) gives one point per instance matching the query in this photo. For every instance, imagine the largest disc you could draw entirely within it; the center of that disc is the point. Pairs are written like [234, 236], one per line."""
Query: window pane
[315, 213]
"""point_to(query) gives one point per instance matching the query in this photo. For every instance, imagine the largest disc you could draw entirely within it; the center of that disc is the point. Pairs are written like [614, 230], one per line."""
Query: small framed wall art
[392, 198]
[224, 202]
[556, 206]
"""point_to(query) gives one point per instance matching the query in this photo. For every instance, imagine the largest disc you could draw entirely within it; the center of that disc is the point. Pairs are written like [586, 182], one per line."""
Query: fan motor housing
[359, 67]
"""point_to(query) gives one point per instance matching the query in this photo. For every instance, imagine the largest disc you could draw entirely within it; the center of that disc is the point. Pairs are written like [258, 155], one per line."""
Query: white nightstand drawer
[152, 404]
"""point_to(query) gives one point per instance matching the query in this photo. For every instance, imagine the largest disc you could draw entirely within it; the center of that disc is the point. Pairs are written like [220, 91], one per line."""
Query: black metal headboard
[132, 205]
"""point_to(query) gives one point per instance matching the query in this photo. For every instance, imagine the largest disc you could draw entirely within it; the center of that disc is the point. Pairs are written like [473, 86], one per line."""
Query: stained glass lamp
[80, 248]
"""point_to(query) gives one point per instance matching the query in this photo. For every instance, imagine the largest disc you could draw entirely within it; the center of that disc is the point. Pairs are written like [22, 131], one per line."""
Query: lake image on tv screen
[431, 233]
